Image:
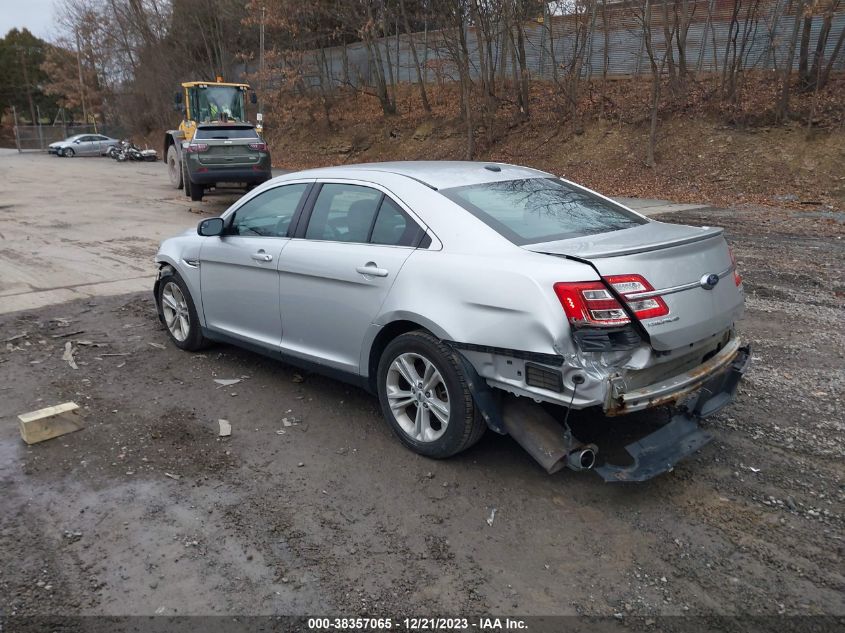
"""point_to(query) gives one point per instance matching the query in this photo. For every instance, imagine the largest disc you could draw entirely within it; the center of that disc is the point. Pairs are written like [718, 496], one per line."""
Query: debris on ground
[291, 421]
[50, 422]
[226, 382]
[173, 476]
[16, 337]
[70, 350]
[68, 334]
[298, 378]
[492, 517]
[225, 428]
[156, 345]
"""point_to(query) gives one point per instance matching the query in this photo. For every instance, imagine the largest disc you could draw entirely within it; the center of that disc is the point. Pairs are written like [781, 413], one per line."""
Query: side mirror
[253, 98]
[211, 227]
[77, 141]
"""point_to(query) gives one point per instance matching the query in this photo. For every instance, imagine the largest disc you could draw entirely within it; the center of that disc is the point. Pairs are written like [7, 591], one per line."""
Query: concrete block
[45, 424]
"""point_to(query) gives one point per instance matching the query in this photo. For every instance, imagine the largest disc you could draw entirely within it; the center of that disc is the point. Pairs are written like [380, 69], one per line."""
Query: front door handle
[370, 269]
[261, 256]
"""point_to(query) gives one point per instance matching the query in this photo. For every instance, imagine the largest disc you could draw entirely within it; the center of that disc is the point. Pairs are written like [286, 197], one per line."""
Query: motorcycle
[126, 150]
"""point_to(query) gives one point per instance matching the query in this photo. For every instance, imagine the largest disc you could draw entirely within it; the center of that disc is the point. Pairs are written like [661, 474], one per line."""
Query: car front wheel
[179, 313]
[68, 152]
[425, 398]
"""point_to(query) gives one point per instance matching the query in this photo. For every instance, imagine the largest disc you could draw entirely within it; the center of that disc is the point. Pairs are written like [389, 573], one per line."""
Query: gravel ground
[147, 511]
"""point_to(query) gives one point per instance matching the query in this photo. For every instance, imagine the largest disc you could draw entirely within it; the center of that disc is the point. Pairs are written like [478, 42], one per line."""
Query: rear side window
[393, 227]
[225, 133]
[354, 213]
[538, 210]
[343, 213]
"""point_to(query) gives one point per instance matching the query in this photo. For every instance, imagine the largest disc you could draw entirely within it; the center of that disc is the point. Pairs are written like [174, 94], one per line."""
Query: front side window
[268, 214]
[536, 210]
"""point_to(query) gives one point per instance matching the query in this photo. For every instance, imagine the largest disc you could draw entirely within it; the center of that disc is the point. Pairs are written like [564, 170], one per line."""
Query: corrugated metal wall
[550, 46]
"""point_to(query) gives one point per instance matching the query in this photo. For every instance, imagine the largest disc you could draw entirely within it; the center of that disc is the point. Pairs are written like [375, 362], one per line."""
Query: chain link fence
[38, 137]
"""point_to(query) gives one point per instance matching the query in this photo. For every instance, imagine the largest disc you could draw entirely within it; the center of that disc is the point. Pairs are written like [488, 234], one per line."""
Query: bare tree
[783, 102]
[417, 66]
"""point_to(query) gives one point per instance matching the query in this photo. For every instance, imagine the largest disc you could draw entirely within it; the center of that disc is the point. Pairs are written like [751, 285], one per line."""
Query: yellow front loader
[203, 102]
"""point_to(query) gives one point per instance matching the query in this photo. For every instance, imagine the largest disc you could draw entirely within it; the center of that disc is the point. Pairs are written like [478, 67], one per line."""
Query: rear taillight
[737, 277]
[196, 148]
[631, 285]
[258, 147]
[591, 303]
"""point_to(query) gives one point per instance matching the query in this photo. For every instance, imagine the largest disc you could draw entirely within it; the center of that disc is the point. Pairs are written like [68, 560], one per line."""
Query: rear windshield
[230, 131]
[538, 210]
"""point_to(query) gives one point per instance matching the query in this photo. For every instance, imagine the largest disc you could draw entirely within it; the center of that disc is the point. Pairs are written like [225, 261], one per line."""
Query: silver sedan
[471, 296]
[82, 145]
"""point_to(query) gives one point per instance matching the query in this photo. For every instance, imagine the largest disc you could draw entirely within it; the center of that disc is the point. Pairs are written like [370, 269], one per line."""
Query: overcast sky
[36, 15]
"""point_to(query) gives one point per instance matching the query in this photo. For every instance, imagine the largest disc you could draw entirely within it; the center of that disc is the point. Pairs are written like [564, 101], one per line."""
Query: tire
[174, 167]
[185, 179]
[171, 287]
[68, 152]
[196, 190]
[429, 436]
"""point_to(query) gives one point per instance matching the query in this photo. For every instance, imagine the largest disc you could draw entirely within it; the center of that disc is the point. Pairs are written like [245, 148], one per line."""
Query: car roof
[219, 124]
[437, 174]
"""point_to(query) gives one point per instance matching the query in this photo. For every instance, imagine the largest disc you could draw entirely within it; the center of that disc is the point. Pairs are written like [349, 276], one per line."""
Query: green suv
[230, 153]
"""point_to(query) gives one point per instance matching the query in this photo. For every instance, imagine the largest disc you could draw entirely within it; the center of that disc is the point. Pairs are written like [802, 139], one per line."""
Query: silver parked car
[82, 145]
[471, 296]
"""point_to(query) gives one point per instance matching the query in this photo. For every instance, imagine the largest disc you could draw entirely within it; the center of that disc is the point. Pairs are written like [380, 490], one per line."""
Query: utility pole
[23, 62]
[17, 132]
[81, 83]
[261, 62]
[40, 131]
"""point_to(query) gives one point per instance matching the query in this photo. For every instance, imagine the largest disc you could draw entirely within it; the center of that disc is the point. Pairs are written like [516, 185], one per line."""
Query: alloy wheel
[418, 397]
[175, 309]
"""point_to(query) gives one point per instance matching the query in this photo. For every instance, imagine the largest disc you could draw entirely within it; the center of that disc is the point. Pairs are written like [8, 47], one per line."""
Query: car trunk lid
[680, 262]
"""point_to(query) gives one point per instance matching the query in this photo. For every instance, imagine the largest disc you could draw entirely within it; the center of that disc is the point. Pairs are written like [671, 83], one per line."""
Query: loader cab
[207, 102]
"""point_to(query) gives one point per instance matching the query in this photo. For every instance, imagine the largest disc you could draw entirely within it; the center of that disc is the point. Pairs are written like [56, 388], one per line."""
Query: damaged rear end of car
[651, 323]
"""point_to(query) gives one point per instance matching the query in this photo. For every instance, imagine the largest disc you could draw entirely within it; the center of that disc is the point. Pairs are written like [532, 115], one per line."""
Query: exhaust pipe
[583, 458]
[544, 438]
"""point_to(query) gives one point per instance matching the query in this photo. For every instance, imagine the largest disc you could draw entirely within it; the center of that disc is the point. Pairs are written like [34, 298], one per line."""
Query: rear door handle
[370, 269]
[261, 256]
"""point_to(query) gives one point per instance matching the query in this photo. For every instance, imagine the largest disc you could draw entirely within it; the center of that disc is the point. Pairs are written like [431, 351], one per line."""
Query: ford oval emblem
[709, 280]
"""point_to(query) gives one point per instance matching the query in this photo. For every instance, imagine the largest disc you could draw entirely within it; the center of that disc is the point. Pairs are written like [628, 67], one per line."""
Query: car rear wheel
[179, 313]
[174, 167]
[425, 398]
[68, 152]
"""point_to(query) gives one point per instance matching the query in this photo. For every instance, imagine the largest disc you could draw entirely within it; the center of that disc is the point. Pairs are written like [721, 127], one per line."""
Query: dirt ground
[147, 511]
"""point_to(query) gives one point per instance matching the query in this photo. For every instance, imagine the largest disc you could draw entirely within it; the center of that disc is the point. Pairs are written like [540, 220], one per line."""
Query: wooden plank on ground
[50, 422]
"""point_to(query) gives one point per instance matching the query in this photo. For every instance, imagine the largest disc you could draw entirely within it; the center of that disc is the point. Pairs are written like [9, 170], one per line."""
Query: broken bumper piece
[659, 452]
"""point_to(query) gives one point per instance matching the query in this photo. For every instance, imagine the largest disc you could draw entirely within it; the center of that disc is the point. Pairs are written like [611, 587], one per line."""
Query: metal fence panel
[550, 45]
